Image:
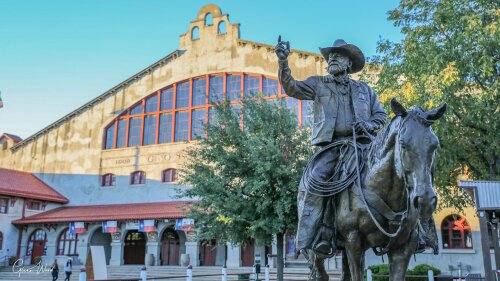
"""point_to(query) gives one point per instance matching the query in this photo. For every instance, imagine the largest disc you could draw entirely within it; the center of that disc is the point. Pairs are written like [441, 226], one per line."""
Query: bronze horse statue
[397, 191]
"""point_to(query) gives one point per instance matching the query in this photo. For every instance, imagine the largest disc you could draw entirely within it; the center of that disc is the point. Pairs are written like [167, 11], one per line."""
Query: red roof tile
[90, 213]
[14, 138]
[26, 185]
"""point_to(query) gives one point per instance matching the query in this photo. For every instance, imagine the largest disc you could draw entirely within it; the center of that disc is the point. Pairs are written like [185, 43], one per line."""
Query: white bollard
[224, 273]
[430, 274]
[369, 276]
[266, 276]
[83, 274]
[189, 273]
[144, 274]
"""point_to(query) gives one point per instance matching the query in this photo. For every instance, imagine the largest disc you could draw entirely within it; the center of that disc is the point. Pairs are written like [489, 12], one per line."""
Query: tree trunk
[279, 257]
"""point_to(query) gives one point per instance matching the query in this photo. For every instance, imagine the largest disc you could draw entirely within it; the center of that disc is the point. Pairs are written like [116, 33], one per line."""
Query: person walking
[55, 270]
[68, 269]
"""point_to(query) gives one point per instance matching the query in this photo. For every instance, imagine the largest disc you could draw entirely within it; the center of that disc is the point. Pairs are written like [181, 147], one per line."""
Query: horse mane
[383, 141]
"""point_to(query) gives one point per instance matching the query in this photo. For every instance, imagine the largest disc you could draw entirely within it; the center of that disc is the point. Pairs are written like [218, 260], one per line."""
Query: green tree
[247, 177]
[449, 54]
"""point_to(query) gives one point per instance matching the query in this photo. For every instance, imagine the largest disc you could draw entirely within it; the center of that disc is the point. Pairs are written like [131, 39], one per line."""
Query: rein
[359, 189]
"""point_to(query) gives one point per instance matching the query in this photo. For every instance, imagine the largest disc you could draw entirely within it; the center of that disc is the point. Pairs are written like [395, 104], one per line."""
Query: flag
[109, 227]
[1, 102]
[184, 224]
[76, 228]
[147, 225]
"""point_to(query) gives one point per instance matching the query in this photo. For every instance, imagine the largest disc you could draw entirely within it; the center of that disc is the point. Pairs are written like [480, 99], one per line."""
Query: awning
[94, 213]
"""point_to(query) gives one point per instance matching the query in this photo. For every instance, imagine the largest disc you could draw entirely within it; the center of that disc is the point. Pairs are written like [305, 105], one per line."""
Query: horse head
[415, 149]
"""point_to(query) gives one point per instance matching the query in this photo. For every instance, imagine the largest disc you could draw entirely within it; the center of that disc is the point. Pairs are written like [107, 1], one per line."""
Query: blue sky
[57, 55]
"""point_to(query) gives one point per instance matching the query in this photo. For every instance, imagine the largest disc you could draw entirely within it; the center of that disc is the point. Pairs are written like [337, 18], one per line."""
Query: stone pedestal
[193, 250]
[116, 253]
[233, 256]
[153, 249]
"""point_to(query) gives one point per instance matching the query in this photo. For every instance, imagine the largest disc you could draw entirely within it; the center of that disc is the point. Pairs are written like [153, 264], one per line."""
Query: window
[195, 33]
[208, 19]
[252, 86]
[1, 240]
[149, 130]
[199, 91]
[66, 243]
[165, 134]
[456, 232]
[138, 177]
[182, 97]
[216, 89]
[136, 110]
[108, 180]
[197, 123]
[122, 133]
[4, 205]
[181, 126]
[270, 87]
[234, 87]
[152, 104]
[167, 99]
[178, 112]
[34, 205]
[134, 132]
[169, 175]
[110, 137]
[222, 28]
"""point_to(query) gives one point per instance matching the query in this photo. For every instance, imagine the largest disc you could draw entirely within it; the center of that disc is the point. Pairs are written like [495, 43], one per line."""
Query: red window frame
[34, 205]
[68, 242]
[455, 232]
[169, 175]
[108, 180]
[121, 133]
[138, 177]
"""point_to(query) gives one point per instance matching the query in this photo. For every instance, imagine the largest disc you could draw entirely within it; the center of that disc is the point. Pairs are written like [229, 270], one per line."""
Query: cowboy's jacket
[326, 102]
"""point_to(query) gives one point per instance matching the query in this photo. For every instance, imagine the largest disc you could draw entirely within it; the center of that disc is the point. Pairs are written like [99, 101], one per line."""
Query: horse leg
[321, 274]
[355, 256]
[346, 272]
[399, 258]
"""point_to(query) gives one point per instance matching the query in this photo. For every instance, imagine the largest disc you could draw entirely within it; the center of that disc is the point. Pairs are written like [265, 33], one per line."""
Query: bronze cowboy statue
[343, 201]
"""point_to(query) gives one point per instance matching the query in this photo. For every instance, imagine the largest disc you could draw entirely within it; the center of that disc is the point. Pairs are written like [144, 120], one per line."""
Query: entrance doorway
[36, 245]
[208, 252]
[170, 246]
[248, 253]
[102, 239]
[134, 250]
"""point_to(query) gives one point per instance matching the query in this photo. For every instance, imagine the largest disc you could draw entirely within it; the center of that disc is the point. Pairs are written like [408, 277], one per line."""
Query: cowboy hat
[351, 51]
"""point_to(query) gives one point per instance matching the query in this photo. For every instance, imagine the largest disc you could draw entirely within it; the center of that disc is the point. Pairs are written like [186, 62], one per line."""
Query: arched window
[180, 111]
[66, 243]
[456, 233]
[195, 33]
[208, 19]
[221, 29]
[138, 177]
[36, 243]
[169, 175]
[108, 180]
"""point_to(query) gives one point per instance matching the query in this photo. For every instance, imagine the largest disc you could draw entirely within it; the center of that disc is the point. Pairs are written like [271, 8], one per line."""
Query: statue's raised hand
[282, 49]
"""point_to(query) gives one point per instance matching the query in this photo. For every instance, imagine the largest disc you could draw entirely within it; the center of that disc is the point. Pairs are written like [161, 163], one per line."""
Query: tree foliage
[247, 177]
[450, 55]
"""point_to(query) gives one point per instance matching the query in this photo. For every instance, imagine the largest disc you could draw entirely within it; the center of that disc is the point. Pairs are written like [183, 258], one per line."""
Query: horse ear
[398, 108]
[436, 113]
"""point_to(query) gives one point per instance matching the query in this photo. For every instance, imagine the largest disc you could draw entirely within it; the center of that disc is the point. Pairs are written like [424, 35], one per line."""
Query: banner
[76, 228]
[184, 224]
[147, 225]
[109, 227]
